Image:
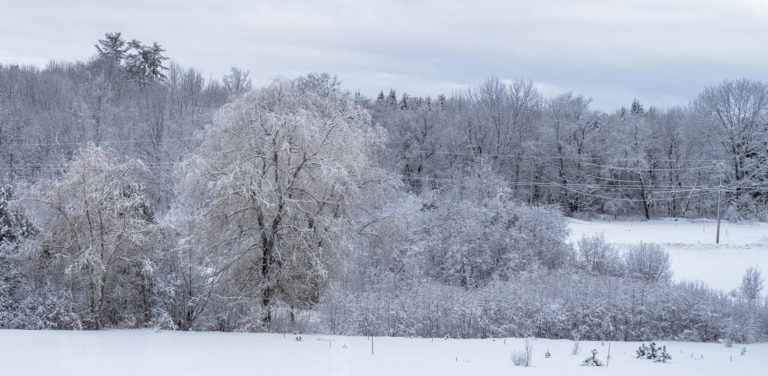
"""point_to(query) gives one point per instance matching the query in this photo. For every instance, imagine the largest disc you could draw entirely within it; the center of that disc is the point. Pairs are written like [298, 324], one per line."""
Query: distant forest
[135, 192]
[636, 161]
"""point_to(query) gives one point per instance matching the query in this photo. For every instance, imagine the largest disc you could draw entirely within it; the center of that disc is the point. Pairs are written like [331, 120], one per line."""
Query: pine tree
[392, 98]
[112, 47]
[14, 227]
[145, 63]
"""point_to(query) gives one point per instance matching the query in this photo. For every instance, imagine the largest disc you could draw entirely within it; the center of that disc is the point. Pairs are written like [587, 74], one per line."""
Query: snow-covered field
[145, 352]
[691, 245]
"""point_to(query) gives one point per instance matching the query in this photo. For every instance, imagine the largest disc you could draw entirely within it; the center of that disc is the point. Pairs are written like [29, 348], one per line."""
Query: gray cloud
[662, 52]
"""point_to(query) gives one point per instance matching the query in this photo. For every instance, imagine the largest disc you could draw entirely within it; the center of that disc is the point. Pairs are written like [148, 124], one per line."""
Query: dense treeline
[637, 161]
[137, 194]
[117, 100]
[649, 162]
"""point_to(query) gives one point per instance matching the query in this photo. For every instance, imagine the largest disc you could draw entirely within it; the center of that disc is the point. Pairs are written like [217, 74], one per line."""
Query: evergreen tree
[112, 48]
[14, 227]
[145, 63]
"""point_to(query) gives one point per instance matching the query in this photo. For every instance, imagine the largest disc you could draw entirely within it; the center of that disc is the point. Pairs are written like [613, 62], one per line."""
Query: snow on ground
[691, 244]
[145, 352]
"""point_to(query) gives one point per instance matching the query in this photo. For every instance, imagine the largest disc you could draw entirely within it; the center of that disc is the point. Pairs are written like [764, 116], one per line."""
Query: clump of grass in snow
[522, 357]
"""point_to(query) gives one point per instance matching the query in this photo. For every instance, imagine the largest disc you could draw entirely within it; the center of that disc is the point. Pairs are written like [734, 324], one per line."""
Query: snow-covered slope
[144, 352]
[691, 244]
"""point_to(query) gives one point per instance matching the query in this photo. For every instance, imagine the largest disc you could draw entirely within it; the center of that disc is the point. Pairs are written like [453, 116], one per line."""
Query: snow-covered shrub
[751, 284]
[476, 232]
[663, 356]
[544, 230]
[522, 357]
[161, 320]
[48, 306]
[647, 262]
[598, 257]
[538, 303]
[653, 352]
[592, 361]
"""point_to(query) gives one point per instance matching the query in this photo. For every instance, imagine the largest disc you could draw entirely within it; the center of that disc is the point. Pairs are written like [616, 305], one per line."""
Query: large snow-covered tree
[271, 190]
[571, 129]
[502, 124]
[734, 115]
[95, 226]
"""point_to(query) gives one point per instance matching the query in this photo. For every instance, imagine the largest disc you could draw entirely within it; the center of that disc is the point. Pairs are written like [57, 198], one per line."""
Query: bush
[474, 235]
[598, 257]
[592, 361]
[648, 262]
[541, 304]
[522, 357]
[652, 352]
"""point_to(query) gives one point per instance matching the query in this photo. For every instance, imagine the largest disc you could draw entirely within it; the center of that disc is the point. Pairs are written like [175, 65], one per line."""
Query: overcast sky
[662, 52]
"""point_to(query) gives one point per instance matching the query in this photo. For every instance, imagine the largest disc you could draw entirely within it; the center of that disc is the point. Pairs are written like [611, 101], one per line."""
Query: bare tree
[734, 115]
[571, 132]
[751, 284]
[237, 81]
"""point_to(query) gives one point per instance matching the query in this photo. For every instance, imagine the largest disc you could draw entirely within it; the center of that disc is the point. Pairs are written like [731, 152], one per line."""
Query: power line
[537, 158]
[573, 186]
[636, 185]
[85, 143]
[710, 162]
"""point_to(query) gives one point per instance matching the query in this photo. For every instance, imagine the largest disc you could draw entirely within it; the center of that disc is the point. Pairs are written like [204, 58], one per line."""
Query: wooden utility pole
[719, 201]
[530, 198]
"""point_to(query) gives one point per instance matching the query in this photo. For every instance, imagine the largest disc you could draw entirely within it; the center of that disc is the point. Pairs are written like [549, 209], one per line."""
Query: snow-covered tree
[95, 225]
[272, 188]
[734, 116]
[599, 257]
[502, 124]
[237, 81]
[571, 131]
[751, 284]
[14, 228]
[112, 48]
[144, 63]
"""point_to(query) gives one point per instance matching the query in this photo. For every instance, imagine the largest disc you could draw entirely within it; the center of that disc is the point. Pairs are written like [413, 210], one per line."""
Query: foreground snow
[691, 244]
[145, 352]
